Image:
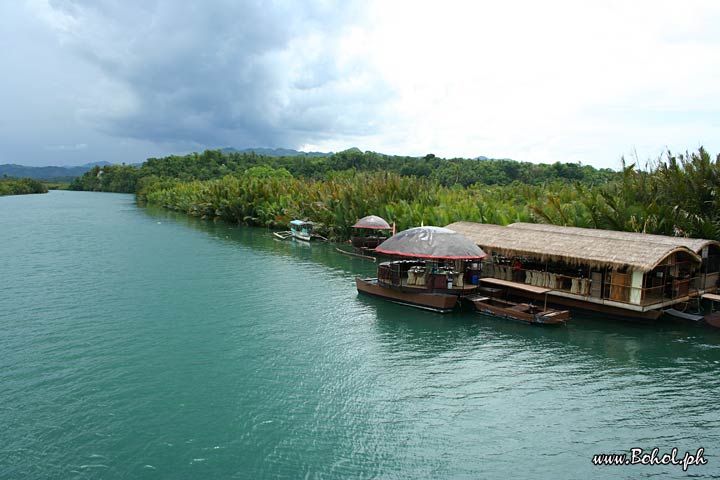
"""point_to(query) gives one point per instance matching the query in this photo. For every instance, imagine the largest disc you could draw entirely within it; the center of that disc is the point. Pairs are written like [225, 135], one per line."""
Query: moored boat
[524, 312]
[300, 230]
[369, 232]
[713, 317]
[702, 310]
[437, 269]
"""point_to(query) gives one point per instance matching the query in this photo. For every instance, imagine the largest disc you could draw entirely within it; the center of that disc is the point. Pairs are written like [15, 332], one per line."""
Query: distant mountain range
[66, 173]
[46, 173]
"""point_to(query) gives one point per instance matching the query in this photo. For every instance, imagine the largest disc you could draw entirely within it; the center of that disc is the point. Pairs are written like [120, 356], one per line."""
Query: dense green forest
[216, 164]
[21, 186]
[674, 195]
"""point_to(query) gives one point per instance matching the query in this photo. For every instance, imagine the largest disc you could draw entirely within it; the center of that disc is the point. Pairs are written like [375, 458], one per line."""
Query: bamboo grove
[675, 195]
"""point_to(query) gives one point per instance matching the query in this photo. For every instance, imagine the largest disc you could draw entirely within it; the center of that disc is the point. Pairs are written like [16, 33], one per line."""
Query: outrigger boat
[301, 230]
[436, 273]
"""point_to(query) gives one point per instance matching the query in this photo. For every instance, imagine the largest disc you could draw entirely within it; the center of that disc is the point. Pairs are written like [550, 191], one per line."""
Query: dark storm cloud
[224, 72]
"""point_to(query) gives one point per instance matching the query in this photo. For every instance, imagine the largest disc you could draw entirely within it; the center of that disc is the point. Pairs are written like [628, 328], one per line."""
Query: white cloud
[77, 146]
[528, 79]
[537, 81]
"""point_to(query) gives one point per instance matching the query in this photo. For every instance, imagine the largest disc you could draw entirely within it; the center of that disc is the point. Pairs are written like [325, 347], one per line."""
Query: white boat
[301, 230]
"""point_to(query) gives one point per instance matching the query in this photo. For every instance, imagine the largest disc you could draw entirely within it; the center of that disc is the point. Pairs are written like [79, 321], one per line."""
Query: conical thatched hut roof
[694, 244]
[431, 242]
[573, 249]
[372, 221]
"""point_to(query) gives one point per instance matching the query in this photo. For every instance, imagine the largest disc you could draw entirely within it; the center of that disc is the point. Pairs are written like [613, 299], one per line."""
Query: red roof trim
[413, 255]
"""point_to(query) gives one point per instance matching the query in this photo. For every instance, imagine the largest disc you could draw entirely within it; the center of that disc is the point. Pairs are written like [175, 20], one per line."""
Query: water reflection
[217, 348]
[663, 344]
[402, 328]
[262, 240]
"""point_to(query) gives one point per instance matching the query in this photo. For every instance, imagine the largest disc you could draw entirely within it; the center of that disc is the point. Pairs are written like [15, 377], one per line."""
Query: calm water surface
[138, 343]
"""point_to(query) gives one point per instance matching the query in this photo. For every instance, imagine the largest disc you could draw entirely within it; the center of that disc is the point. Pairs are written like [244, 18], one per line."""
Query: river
[140, 343]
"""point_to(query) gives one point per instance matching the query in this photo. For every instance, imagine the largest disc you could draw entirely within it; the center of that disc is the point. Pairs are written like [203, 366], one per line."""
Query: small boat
[370, 232]
[301, 230]
[435, 274]
[713, 318]
[693, 317]
[699, 313]
[524, 312]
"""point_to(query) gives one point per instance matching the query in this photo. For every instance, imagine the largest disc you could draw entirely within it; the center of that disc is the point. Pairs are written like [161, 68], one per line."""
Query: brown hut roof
[694, 244]
[570, 248]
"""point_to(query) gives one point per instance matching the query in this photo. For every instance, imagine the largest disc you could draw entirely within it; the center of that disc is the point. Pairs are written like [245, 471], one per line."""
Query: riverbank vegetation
[339, 200]
[674, 195]
[21, 186]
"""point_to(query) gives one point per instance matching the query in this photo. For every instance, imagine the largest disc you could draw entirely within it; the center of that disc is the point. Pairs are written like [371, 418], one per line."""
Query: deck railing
[619, 291]
[679, 288]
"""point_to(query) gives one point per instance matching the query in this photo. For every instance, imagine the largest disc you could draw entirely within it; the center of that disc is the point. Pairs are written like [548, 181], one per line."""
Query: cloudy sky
[568, 81]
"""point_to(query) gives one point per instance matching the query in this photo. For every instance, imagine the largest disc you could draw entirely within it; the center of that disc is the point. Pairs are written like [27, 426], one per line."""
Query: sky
[569, 81]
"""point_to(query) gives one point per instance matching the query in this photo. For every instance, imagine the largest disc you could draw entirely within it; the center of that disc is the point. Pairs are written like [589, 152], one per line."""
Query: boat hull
[303, 237]
[435, 302]
[713, 319]
[366, 242]
[583, 304]
[519, 311]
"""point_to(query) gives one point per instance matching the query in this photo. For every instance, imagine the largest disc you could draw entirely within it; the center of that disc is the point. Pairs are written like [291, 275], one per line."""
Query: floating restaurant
[619, 273]
[369, 232]
[433, 273]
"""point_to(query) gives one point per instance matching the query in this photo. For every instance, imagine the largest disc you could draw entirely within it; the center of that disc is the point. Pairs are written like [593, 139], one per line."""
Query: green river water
[140, 343]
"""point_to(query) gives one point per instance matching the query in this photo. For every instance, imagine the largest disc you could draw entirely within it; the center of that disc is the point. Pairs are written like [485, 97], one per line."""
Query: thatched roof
[694, 244]
[573, 249]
